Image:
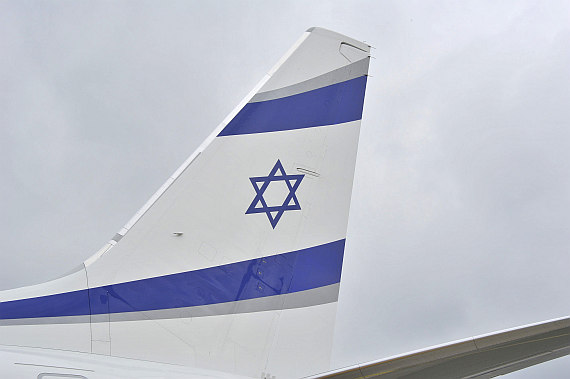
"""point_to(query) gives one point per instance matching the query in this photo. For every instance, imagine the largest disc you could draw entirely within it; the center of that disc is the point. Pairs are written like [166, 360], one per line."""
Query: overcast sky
[460, 218]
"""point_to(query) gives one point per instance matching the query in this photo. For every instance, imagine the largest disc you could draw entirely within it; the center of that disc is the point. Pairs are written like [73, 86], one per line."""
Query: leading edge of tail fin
[235, 263]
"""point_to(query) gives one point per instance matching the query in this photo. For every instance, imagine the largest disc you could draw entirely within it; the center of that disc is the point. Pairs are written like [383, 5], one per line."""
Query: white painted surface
[208, 203]
[247, 344]
[72, 337]
[30, 363]
[73, 282]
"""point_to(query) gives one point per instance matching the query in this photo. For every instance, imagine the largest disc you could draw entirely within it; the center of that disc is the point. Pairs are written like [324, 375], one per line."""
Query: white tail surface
[235, 263]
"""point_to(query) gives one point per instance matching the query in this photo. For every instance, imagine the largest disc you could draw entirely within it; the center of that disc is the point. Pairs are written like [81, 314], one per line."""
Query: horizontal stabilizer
[481, 357]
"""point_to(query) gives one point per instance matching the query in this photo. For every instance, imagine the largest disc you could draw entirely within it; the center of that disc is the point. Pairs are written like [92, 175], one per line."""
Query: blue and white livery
[234, 264]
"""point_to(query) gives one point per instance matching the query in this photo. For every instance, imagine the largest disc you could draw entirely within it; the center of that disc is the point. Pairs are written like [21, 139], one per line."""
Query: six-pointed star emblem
[260, 184]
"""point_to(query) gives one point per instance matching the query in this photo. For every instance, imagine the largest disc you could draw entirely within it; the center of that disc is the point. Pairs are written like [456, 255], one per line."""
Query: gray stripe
[351, 71]
[46, 320]
[315, 296]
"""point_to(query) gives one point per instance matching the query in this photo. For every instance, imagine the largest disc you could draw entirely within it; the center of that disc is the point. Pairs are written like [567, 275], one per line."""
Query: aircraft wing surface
[484, 356]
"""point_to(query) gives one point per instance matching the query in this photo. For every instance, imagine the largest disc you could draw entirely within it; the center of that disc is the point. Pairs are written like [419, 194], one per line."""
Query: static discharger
[308, 172]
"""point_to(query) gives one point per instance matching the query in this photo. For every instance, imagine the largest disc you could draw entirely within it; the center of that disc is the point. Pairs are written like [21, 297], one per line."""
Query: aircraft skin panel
[484, 356]
[320, 295]
[538, 343]
[189, 342]
[151, 248]
[69, 336]
[61, 331]
[240, 287]
[319, 54]
[345, 73]
[76, 281]
[33, 363]
[312, 108]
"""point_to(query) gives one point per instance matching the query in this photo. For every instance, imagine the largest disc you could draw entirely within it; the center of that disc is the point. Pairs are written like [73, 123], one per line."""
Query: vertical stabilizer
[235, 263]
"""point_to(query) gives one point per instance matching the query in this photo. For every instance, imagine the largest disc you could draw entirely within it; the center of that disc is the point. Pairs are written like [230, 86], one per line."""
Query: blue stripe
[334, 104]
[63, 304]
[273, 275]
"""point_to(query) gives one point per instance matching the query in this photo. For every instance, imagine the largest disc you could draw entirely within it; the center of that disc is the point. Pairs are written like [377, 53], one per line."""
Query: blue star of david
[260, 184]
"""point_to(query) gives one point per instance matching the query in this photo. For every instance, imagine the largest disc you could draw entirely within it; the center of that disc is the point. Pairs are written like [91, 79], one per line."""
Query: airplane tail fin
[235, 263]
